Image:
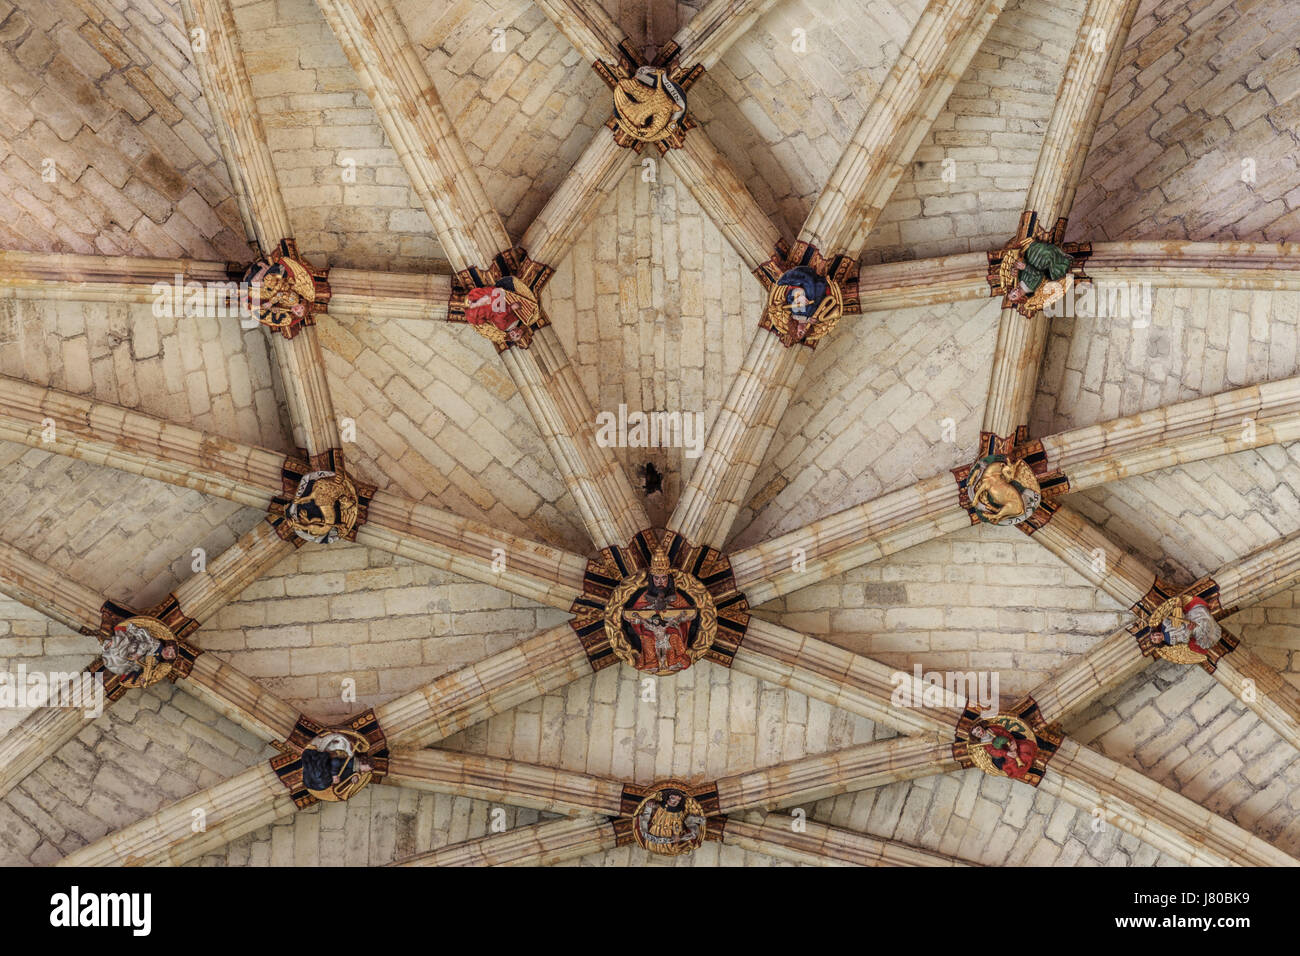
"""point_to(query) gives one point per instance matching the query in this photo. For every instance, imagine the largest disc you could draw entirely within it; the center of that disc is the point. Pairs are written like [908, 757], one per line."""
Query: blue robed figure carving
[802, 306]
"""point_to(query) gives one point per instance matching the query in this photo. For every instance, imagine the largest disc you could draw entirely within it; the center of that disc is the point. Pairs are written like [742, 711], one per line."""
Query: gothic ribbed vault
[925, 477]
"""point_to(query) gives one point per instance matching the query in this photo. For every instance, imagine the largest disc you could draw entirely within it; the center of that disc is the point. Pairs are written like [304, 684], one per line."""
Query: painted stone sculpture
[1002, 491]
[660, 620]
[324, 506]
[140, 650]
[648, 104]
[1033, 274]
[669, 821]
[803, 307]
[1004, 746]
[1183, 630]
[504, 313]
[333, 765]
[281, 291]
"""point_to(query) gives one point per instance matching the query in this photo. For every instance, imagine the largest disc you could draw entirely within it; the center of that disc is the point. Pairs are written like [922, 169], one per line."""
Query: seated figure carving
[139, 650]
[333, 765]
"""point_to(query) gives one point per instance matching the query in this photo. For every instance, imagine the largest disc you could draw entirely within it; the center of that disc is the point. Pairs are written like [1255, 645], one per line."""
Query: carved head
[661, 569]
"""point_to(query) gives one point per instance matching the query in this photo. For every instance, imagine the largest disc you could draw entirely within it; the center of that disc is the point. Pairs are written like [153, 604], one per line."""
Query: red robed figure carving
[661, 618]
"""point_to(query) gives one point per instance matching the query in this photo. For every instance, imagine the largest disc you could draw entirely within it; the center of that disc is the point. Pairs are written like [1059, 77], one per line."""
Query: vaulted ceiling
[418, 149]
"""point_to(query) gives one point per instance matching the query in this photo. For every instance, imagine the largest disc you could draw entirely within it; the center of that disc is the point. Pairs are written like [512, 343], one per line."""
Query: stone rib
[1264, 690]
[821, 845]
[443, 540]
[255, 553]
[542, 844]
[384, 59]
[549, 386]
[512, 782]
[244, 803]
[140, 444]
[712, 31]
[576, 200]
[240, 698]
[1088, 74]
[843, 679]
[451, 703]
[846, 771]
[1095, 557]
[850, 538]
[238, 122]
[724, 198]
[941, 45]
[736, 444]
[1157, 816]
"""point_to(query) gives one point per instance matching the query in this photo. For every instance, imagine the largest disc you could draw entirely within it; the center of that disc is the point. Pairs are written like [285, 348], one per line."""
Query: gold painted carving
[785, 299]
[669, 821]
[153, 668]
[675, 625]
[1003, 492]
[349, 745]
[324, 506]
[1003, 746]
[281, 290]
[649, 104]
[1187, 629]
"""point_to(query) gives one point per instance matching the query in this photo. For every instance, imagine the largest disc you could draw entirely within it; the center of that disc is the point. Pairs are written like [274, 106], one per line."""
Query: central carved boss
[660, 620]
